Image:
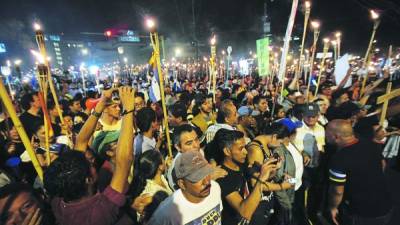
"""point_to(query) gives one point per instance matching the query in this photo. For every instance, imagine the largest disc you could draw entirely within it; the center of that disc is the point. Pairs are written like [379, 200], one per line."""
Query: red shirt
[101, 208]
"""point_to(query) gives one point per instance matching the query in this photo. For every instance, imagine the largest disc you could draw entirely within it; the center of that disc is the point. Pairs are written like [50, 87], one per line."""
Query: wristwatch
[96, 114]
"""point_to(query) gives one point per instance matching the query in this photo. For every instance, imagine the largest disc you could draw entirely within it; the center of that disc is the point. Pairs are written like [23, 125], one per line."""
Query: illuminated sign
[2, 48]
[54, 37]
[129, 36]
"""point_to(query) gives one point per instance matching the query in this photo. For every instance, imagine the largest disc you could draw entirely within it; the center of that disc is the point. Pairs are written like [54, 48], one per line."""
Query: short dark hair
[224, 138]
[66, 176]
[36, 125]
[178, 131]
[258, 98]
[140, 95]
[224, 111]
[179, 110]
[278, 129]
[51, 105]
[26, 100]
[145, 117]
[364, 127]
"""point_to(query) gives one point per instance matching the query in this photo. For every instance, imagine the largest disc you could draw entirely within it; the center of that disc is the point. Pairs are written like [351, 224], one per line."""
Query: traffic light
[108, 33]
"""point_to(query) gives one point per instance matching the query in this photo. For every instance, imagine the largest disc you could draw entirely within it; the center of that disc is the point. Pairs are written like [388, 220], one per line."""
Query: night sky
[236, 22]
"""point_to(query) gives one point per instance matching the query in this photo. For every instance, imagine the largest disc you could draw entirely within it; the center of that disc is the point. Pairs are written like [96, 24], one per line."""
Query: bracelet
[127, 112]
[96, 114]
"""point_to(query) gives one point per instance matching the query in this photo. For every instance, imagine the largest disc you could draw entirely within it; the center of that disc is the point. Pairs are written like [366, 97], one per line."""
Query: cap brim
[199, 174]
[311, 114]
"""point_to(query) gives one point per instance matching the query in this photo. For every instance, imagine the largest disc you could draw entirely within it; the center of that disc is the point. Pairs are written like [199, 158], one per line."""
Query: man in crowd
[227, 118]
[75, 108]
[239, 202]
[261, 107]
[177, 115]
[247, 123]
[310, 140]
[31, 104]
[111, 119]
[185, 139]
[139, 101]
[202, 112]
[198, 199]
[357, 180]
[70, 181]
[146, 120]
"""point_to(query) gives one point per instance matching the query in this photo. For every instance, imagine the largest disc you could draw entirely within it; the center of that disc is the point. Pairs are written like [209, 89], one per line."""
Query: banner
[154, 89]
[341, 68]
[263, 56]
[282, 66]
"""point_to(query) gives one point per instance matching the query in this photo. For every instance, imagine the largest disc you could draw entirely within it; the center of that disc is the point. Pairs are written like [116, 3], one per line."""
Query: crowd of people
[251, 156]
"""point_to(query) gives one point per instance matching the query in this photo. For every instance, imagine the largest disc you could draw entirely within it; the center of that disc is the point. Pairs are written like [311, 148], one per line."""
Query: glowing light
[315, 24]
[326, 40]
[150, 23]
[125, 59]
[178, 52]
[17, 62]
[38, 56]
[93, 69]
[213, 40]
[307, 4]
[374, 15]
[37, 26]
[85, 51]
[108, 33]
[223, 52]
[338, 34]
[334, 42]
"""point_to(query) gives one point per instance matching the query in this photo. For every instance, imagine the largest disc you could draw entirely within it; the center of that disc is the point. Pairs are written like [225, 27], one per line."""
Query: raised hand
[127, 96]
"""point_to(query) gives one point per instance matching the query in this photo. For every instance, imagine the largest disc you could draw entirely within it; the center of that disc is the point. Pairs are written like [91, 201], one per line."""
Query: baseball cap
[192, 166]
[289, 124]
[311, 109]
[247, 111]
[110, 137]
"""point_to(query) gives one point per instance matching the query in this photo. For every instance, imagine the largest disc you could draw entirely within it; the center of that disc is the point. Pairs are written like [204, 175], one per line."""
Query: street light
[178, 52]
[84, 51]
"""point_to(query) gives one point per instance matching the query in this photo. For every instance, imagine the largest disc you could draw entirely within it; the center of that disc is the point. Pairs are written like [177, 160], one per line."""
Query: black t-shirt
[359, 168]
[233, 182]
[27, 121]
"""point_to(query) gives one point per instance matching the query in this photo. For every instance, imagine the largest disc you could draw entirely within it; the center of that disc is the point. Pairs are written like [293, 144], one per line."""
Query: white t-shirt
[298, 162]
[177, 210]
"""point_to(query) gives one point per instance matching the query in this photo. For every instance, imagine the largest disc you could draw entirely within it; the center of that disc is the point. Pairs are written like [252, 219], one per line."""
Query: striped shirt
[212, 130]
